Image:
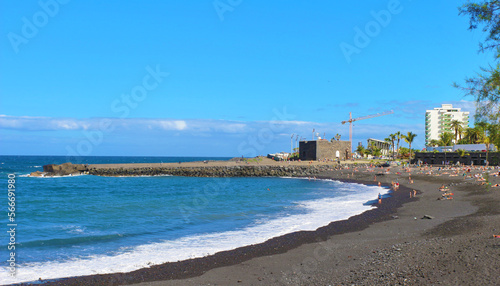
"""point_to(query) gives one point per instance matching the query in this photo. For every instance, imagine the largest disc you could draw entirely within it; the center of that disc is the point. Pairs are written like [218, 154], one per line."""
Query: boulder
[37, 174]
[64, 169]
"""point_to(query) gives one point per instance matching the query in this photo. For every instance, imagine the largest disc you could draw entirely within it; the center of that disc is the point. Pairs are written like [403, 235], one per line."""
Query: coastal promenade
[417, 236]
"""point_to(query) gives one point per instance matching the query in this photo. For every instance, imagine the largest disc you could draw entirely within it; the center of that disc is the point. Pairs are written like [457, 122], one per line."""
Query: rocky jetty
[124, 170]
[215, 171]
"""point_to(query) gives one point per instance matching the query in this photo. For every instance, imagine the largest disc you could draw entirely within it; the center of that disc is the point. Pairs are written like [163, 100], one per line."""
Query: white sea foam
[74, 229]
[145, 176]
[318, 213]
[54, 177]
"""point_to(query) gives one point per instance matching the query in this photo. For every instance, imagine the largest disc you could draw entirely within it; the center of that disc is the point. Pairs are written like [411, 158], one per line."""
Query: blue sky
[224, 77]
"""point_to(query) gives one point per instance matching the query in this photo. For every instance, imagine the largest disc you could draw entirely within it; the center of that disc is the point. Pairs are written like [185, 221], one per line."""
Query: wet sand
[390, 244]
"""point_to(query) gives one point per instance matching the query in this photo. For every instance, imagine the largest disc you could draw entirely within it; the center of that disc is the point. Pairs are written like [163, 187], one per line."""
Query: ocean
[83, 225]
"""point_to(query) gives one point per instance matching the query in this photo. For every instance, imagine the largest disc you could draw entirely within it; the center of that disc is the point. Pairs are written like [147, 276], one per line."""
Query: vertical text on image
[11, 225]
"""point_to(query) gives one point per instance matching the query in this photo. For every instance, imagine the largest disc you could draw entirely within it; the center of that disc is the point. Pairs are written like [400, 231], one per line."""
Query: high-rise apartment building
[439, 120]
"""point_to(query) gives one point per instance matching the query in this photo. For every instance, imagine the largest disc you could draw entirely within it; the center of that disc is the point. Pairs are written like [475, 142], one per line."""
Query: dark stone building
[438, 158]
[324, 149]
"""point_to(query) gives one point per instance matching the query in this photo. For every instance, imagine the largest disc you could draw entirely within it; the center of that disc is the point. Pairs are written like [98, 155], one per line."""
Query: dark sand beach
[421, 240]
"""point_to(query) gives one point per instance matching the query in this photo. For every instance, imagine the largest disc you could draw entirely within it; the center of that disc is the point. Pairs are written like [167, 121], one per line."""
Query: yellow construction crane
[351, 120]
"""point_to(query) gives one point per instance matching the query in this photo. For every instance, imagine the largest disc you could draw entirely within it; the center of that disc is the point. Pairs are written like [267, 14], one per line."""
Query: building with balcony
[438, 121]
[384, 146]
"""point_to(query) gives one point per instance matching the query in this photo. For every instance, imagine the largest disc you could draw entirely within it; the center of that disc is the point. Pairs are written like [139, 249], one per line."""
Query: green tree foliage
[482, 133]
[462, 152]
[376, 151]
[399, 136]
[393, 139]
[295, 154]
[485, 87]
[434, 143]
[494, 134]
[488, 134]
[463, 141]
[473, 135]
[405, 152]
[456, 125]
[372, 150]
[390, 140]
[361, 150]
[409, 139]
[445, 139]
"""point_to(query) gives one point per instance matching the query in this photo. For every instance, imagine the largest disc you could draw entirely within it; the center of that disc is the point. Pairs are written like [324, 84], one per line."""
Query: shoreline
[196, 270]
[276, 245]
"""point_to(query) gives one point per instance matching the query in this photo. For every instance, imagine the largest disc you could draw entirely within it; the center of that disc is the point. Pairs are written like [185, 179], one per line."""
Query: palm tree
[361, 150]
[393, 138]
[486, 135]
[456, 125]
[374, 150]
[445, 139]
[388, 140]
[483, 127]
[434, 143]
[399, 136]
[494, 134]
[473, 135]
[461, 152]
[404, 152]
[486, 142]
[409, 139]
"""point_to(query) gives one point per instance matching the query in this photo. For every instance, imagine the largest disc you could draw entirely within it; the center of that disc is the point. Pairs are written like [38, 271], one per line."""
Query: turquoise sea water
[81, 225]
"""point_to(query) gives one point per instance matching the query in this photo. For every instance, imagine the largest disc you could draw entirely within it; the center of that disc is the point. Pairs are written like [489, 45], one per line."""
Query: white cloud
[172, 124]
[68, 124]
[209, 127]
[27, 123]
[465, 105]
[226, 135]
[39, 123]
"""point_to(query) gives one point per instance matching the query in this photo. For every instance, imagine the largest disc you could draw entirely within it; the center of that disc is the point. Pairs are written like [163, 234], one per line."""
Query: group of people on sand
[395, 185]
[445, 195]
[475, 173]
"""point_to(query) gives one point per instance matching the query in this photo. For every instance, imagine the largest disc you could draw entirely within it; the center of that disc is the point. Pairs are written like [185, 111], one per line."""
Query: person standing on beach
[379, 199]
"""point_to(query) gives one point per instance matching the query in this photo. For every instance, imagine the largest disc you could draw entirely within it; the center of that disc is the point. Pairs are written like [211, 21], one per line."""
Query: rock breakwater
[215, 171]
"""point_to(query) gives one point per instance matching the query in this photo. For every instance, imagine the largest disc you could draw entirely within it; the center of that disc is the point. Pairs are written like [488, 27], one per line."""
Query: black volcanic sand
[390, 244]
